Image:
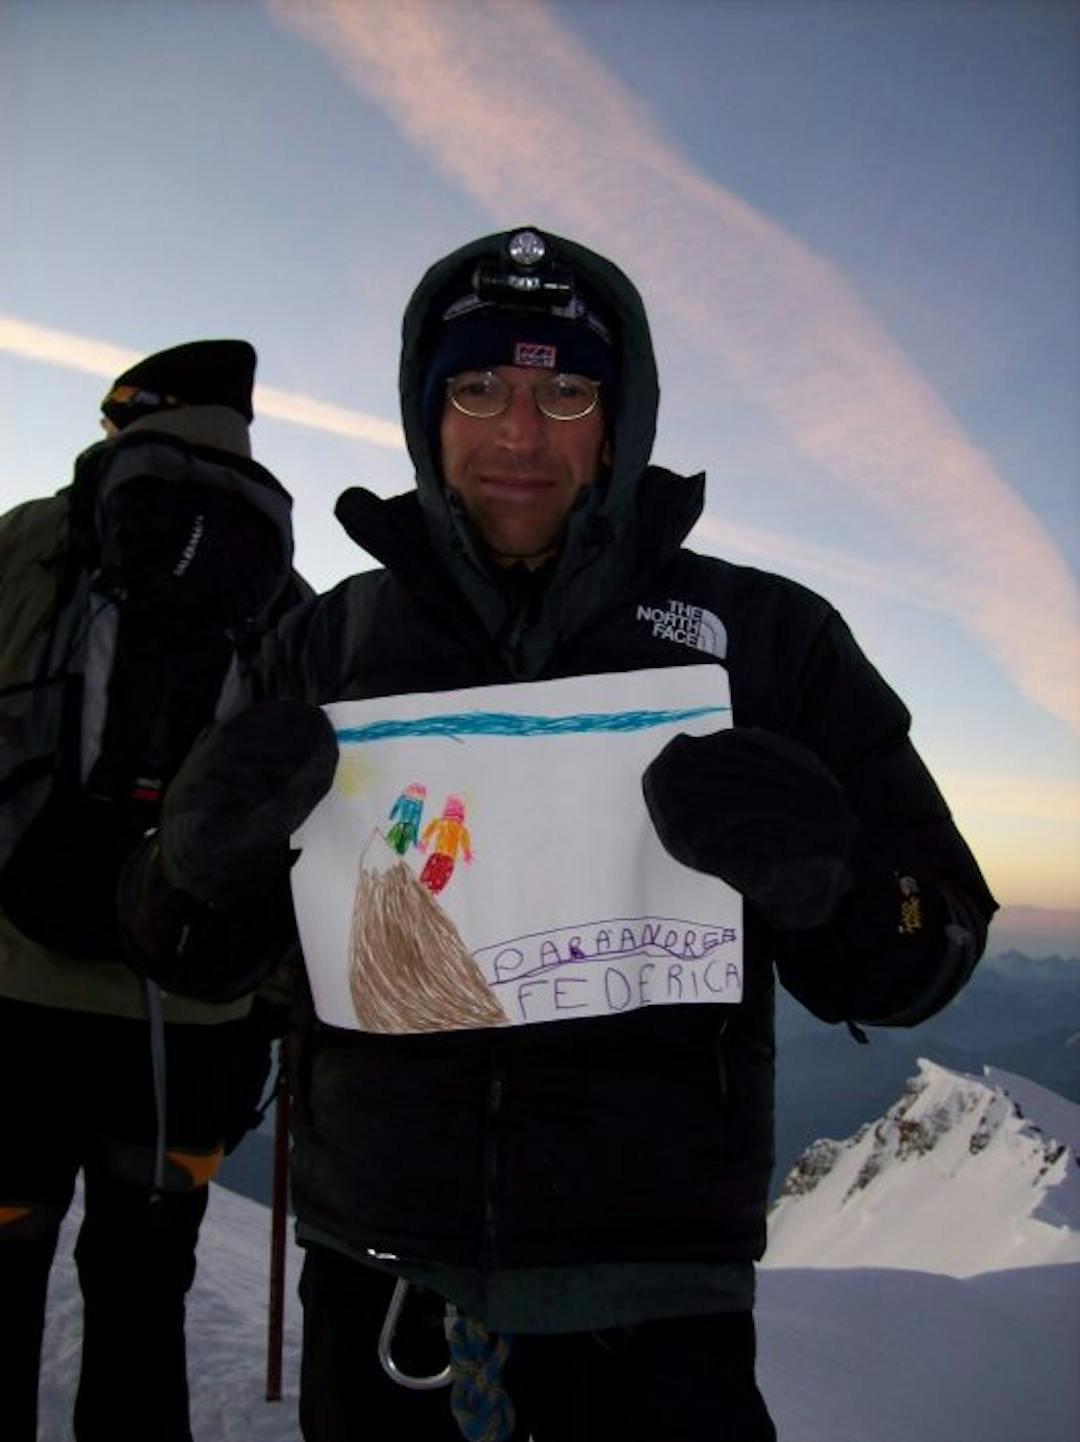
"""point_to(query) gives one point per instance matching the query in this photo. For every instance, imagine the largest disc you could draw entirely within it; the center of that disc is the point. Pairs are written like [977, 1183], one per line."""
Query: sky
[855, 223]
[857, 1350]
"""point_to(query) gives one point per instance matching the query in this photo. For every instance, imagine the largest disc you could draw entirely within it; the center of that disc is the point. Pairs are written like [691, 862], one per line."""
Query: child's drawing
[576, 909]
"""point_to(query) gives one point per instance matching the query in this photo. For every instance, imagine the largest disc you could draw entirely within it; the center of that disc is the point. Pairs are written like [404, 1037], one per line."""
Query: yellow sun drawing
[355, 772]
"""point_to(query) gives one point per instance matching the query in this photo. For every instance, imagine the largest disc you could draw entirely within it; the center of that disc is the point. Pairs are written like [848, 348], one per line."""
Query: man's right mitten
[243, 790]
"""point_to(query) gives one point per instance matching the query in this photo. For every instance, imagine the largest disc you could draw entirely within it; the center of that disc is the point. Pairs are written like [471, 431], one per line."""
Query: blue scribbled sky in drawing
[504, 723]
[856, 226]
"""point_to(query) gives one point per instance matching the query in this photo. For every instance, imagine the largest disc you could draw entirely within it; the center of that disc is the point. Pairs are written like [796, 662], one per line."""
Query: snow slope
[227, 1334]
[862, 1355]
[849, 1352]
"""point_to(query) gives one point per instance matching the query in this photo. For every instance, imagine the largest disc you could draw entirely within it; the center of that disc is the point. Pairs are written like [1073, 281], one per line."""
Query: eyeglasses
[484, 395]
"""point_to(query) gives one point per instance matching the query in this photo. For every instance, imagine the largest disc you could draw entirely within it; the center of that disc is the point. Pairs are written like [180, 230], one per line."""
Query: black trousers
[689, 1379]
[76, 1094]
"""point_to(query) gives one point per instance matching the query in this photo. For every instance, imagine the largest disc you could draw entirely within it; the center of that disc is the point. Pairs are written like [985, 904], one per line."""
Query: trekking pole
[279, 1219]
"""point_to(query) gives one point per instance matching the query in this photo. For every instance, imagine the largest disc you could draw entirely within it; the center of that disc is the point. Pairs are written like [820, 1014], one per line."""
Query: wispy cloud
[334, 420]
[574, 150]
[797, 556]
[101, 358]
[62, 348]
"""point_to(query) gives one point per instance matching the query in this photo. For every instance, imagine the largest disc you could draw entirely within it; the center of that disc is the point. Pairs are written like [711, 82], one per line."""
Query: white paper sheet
[485, 858]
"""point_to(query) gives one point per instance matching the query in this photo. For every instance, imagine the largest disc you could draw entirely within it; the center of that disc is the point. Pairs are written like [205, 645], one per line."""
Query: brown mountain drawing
[409, 969]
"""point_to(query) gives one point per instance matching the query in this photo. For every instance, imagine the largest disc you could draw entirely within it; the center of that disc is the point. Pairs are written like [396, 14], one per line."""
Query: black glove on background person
[204, 904]
[761, 812]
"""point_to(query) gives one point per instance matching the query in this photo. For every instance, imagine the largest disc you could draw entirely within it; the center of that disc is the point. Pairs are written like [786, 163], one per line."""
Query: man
[594, 1185]
[124, 599]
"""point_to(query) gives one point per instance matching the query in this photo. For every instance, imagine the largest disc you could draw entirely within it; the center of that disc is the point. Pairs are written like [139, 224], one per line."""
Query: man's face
[519, 473]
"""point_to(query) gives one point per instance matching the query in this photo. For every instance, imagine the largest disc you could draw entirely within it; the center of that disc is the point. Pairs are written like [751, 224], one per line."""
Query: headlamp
[524, 276]
[521, 307]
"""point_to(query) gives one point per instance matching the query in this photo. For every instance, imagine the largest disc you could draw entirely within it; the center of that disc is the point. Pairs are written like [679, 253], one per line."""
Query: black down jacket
[645, 1136]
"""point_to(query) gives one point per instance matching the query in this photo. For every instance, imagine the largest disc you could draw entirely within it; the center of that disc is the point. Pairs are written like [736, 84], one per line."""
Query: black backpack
[170, 560]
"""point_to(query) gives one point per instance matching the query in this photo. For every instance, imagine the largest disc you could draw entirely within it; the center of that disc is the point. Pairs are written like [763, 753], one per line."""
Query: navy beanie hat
[200, 373]
[485, 336]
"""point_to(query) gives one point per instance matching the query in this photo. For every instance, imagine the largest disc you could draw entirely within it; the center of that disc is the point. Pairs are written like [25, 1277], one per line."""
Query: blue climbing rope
[481, 1405]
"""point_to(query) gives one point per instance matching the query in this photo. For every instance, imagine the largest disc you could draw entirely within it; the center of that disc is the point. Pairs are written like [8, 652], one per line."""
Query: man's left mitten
[761, 812]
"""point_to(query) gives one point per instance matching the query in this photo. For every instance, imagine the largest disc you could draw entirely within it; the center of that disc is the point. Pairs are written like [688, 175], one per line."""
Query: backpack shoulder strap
[43, 595]
[35, 579]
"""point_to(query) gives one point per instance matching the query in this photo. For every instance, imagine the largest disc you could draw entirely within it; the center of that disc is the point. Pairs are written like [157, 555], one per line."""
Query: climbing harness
[480, 1404]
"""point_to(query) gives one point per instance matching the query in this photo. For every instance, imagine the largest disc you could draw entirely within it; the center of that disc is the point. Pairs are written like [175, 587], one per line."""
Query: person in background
[124, 601]
[589, 1193]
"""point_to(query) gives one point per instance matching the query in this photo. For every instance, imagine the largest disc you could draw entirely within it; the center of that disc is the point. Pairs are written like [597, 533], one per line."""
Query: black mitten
[761, 812]
[209, 953]
[203, 905]
[244, 788]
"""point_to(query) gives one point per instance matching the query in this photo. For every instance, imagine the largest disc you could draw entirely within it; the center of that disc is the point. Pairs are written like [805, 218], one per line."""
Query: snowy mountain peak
[962, 1175]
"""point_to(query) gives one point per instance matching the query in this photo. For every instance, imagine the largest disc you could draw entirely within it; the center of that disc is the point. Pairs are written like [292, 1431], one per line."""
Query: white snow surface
[849, 1352]
[226, 1329]
[964, 1175]
[864, 1355]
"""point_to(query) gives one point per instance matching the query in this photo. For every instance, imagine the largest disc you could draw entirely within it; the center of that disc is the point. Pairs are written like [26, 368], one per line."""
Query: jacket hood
[632, 420]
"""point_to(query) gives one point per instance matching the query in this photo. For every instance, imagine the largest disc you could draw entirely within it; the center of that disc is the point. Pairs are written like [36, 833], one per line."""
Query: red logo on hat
[532, 353]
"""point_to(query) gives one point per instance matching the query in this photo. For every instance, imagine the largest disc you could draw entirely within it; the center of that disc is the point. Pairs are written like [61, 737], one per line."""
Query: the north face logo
[688, 626]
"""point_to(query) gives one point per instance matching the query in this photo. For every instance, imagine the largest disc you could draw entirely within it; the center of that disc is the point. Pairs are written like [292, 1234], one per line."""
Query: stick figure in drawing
[405, 818]
[449, 835]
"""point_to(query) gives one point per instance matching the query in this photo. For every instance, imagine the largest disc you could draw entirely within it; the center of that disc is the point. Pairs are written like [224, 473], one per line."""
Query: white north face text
[687, 625]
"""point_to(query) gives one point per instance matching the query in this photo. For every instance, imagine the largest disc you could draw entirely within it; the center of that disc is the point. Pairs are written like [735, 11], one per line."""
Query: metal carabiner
[386, 1341]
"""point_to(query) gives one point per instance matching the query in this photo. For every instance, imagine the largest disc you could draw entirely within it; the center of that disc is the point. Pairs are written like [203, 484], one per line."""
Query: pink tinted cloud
[92, 356]
[505, 101]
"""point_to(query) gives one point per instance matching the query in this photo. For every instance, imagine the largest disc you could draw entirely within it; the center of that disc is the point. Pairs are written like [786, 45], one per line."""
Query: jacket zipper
[515, 634]
[491, 1166]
